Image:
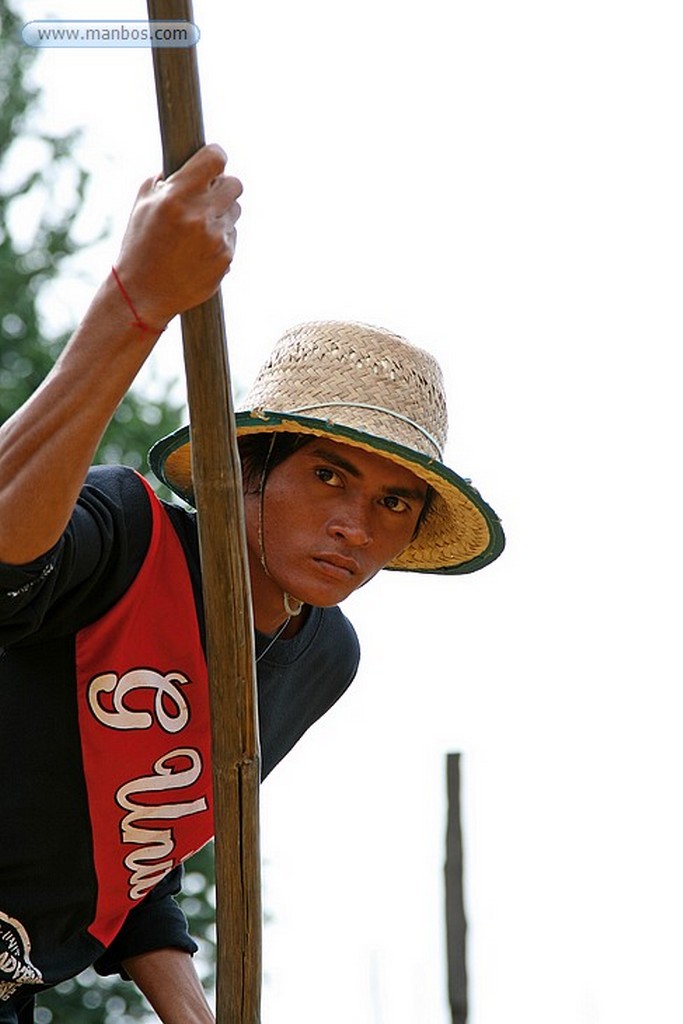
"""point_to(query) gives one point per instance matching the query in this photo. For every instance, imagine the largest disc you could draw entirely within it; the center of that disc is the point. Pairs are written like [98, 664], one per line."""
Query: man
[103, 691]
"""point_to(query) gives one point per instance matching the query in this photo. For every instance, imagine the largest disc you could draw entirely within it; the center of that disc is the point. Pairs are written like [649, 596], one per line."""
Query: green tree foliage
[28, 349]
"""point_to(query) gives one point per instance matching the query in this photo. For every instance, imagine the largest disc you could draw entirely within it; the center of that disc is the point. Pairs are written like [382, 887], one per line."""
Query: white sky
[500, 182]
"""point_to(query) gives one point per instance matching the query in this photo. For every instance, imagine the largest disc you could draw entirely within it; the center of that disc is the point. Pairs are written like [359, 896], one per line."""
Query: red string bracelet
[138, 321]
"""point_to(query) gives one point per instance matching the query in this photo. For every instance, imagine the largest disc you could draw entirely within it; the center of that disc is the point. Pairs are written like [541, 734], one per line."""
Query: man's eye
[328, 476]
[395, 504]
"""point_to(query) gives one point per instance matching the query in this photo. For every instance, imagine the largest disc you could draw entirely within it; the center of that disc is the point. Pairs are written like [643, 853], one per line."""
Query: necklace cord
[273, 639]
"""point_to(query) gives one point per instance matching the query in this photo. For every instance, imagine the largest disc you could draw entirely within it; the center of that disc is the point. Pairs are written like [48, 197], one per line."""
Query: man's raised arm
[178, 245]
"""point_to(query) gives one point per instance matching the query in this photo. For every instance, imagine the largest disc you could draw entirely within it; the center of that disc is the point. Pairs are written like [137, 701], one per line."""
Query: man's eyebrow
[417, 494]
[337, 460]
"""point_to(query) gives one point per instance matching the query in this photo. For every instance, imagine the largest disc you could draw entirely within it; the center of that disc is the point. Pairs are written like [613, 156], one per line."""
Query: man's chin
[323, 596]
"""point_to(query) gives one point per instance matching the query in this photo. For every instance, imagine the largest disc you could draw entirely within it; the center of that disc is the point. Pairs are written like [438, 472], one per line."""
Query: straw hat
[363, 386]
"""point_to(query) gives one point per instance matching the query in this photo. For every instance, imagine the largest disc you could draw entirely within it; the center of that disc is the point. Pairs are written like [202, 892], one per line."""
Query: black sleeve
[88, 569]
[155, 923]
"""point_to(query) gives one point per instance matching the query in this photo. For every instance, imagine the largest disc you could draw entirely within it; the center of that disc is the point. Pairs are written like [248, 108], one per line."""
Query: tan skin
[333, 514]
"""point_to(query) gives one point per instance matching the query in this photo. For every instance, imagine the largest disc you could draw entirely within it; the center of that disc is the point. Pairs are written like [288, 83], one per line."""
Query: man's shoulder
[328, 647]
[115, 481]
[337, 631]
[90, 567]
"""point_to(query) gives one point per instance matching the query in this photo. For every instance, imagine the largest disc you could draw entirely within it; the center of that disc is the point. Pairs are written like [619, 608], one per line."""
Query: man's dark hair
[259, 451]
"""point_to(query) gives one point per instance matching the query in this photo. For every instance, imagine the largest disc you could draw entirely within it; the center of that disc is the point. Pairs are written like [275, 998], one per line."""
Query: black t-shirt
[48, 876]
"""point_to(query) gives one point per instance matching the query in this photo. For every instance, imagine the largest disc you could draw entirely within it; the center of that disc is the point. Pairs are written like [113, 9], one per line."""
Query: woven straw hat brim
[460, 533]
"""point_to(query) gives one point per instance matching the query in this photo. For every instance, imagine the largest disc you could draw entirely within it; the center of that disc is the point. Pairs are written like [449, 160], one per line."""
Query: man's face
[333, 516]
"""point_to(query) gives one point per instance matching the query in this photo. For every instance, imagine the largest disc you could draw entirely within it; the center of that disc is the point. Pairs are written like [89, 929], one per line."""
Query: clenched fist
[180, 238]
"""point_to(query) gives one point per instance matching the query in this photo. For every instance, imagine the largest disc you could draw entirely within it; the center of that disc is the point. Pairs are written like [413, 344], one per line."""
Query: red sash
[144, 720]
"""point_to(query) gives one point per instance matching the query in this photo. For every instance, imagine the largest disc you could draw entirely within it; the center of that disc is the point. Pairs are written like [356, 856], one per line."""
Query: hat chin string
[292, 605]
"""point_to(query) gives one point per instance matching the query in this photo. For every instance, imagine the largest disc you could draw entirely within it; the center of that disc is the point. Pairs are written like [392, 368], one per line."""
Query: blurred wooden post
[225, 580]
[456, 924]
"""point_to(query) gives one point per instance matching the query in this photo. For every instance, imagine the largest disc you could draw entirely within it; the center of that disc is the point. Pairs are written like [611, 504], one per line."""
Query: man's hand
[169, 981]
[180, 239]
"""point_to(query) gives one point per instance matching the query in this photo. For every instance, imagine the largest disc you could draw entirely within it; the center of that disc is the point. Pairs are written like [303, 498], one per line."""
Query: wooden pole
[225, 580]
[456, 924]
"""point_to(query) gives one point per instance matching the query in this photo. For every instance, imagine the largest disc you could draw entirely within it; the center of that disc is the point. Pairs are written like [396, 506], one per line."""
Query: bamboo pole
[456, 923]
[225, 581]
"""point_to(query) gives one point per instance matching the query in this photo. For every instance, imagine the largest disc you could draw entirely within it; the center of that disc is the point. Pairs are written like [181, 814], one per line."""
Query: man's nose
[352, 527]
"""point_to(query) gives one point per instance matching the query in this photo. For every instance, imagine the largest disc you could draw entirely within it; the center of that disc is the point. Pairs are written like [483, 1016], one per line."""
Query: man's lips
[337, 566]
